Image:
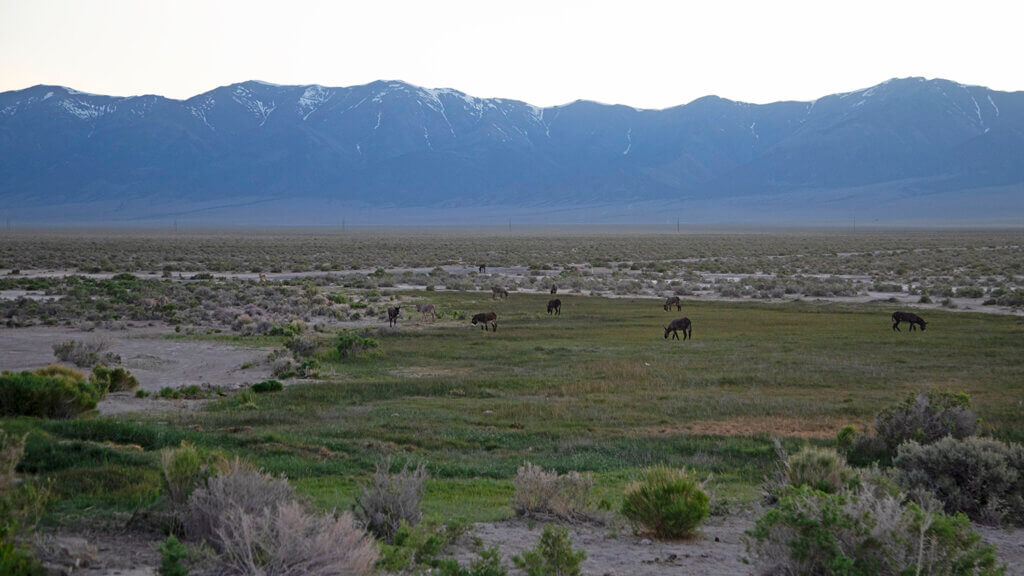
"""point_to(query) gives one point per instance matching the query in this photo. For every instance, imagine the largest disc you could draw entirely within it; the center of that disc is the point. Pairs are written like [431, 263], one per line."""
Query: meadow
[777, 354]
[597, 389]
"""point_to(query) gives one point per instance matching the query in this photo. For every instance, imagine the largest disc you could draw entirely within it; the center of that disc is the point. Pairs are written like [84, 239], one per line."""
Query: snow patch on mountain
[993, 105]
[629, 141]
[260, 110]
[313, 97]
[85, 110]
[200, 111]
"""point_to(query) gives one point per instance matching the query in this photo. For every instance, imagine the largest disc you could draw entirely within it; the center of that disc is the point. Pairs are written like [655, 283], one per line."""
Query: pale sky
[640, 53]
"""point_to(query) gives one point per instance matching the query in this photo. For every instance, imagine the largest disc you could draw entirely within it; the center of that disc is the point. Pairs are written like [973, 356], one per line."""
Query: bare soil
[154, 359]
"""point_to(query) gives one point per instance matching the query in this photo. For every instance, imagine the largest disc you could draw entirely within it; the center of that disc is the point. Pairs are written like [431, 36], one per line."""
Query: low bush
[925, 418]
[50, 392]
[172, 553]
[981, 477]
[238, 488]
[820, 468]
[12, 448]
[416, 549]
[187, 467]
[389, 499]
[539, 492]
[355, 345]
[864, 532]
[667, 502]
[267, 386]
[553, 555]
[287, 540]
[15, 558]
[85, 354]
[114, 380]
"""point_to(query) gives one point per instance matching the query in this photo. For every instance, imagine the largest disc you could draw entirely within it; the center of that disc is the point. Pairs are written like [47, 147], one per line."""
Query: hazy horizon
[648, 56]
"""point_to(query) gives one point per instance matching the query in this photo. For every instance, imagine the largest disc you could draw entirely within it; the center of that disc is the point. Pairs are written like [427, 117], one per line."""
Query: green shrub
[187, 467]
[172, 553]
[864, 532]
[355, 345]
[414, 548]
[668, 502]
[553, 555]
[980, 477]
[823, 469]
[267, 386]
[115, 380]
[15, 559]
[50, 392]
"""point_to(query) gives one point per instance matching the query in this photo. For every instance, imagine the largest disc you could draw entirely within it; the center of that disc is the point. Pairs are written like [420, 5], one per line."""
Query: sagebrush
[540, 492]
[981, 477]
[389, 499]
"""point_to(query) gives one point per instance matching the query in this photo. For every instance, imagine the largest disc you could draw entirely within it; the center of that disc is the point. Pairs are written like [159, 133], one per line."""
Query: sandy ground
[156, 361]
[614, 551]
[719, 551]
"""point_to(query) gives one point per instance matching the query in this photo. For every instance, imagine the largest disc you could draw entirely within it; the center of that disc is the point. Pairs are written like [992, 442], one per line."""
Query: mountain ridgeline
[390, 152]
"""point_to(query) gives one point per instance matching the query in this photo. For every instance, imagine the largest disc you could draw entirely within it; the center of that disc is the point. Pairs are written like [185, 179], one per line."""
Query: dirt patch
[614, 551]
[155, 360]
[1009, 545]
[750, 426]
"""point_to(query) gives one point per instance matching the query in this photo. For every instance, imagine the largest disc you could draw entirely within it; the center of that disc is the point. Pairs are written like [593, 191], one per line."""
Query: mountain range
[905, 151]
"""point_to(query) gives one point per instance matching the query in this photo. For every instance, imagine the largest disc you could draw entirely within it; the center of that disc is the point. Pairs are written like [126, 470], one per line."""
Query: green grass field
[597, 389]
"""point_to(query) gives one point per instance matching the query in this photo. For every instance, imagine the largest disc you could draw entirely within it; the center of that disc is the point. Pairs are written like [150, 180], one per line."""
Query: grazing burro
[393, 315]
[555, 307]
[424, 310]
[498, 292]
[908, 317]
[679, 324]
[486, 318]
[673, 301]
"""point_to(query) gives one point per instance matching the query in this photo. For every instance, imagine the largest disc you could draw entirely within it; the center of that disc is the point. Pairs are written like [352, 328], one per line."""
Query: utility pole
[175, 225]
[677, 224]
[509, 223]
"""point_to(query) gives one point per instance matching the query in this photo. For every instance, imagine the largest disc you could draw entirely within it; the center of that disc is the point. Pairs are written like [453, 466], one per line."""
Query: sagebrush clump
[85, 354]
[668, 502]
[239, 488]
[823, 469]
[926, 417]
[539, 492]
[981, 477]
[864, 532]
[389, 499]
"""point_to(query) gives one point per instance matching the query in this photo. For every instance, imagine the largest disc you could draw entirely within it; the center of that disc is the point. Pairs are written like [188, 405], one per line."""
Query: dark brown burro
[909, 317]
[498, 292]
[679, 324]
[393, 315]
[555, 307]
[424, 310]
[482, 268]
[486, 318]
[554, 288]
[673, 301]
